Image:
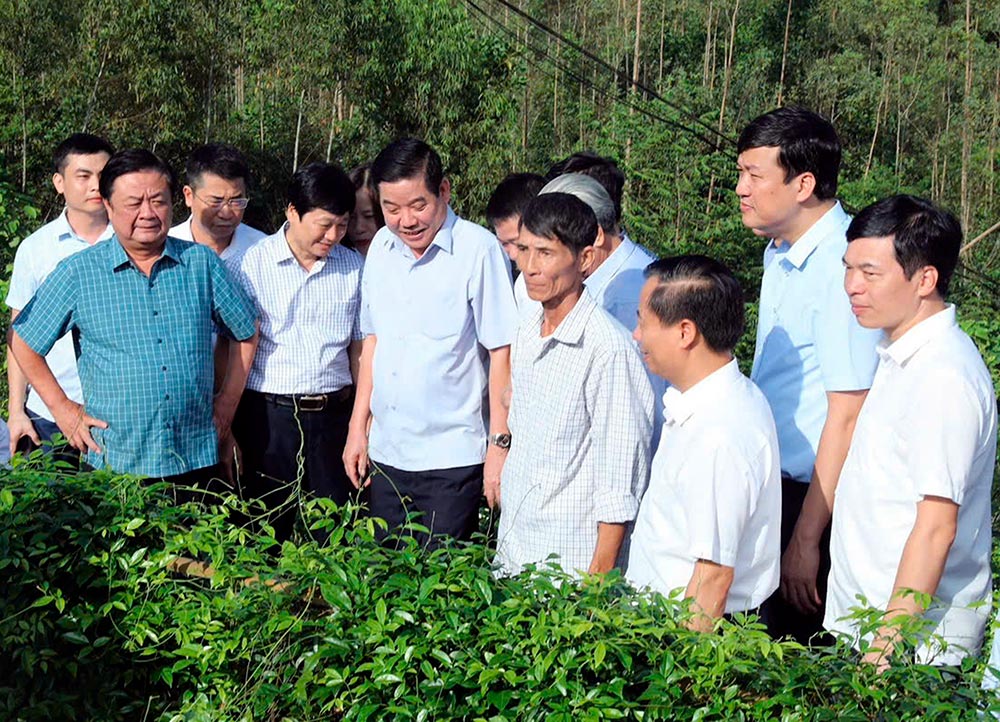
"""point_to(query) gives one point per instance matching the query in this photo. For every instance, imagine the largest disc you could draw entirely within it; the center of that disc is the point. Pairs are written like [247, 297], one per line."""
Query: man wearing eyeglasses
[216, 193]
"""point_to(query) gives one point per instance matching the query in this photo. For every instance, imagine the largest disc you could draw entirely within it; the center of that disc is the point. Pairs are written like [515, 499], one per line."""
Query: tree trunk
[633, 92]
[298, 131]
[784, 54]
[967, 120]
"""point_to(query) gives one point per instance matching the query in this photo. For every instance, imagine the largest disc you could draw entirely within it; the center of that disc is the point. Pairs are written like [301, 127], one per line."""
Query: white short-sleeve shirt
[244, 237]
[580, 419]
[307, 318]
[436, 319]
[36, 257]
[714, 492]
[927, 428]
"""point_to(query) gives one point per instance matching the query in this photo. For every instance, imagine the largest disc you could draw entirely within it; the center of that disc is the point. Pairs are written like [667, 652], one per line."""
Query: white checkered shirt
[307, 318]
[581, 419]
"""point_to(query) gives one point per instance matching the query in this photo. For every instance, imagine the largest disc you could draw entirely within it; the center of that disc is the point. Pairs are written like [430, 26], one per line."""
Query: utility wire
[618, 74]
[575, 74]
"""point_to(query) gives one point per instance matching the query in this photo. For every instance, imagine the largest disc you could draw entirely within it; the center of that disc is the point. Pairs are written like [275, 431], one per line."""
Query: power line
[618, 74]
[575, 75]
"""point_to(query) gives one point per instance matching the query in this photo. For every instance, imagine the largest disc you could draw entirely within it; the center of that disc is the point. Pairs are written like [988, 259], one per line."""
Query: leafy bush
[99, 622]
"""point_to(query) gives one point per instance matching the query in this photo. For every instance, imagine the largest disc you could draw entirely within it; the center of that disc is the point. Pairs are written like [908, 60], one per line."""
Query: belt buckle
[316, 402]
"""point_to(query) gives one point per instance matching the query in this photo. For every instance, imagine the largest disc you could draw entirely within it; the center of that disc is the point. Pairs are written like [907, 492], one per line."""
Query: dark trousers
[445, 501]
[203, 485]
[290, 448]
[47, 431]
[784, 620]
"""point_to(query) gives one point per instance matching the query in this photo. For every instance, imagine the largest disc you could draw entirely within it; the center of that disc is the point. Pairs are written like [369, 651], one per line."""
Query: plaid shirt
[144, 349]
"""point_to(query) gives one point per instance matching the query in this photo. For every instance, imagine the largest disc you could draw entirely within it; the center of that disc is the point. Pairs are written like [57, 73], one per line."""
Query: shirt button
[166, 397]
[156, 313]
[159, 340]
[163, 368]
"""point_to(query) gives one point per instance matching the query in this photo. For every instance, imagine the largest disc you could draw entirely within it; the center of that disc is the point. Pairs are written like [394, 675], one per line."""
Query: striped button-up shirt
[144, 348]
[581, 418]
[307, 318]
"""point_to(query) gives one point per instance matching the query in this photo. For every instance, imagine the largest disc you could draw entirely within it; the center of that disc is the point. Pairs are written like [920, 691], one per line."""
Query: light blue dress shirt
[436, 319]
[144, 346]
[808, 341]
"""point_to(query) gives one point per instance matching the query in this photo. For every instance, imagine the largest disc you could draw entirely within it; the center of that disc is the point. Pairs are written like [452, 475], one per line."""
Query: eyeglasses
[218, 203]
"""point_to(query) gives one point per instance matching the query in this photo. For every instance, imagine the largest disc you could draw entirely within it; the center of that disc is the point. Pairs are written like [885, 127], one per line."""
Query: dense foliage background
[95, 625]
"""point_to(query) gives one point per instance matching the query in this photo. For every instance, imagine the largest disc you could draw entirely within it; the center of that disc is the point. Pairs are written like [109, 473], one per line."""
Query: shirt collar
[602, 276]
[799, 252]
[570, 329]
[66, 230]
[443, 239]
[172, 248]
[902, 349]
[280, 250]
[678, 407]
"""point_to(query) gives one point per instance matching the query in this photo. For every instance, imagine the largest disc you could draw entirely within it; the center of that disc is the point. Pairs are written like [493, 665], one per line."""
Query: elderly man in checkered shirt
[581, 413]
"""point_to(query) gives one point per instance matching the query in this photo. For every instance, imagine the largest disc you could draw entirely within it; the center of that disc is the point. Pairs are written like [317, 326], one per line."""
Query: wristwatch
[500, 440]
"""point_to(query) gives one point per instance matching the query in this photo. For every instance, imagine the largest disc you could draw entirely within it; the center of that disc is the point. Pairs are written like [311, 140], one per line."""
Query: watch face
[501, 440]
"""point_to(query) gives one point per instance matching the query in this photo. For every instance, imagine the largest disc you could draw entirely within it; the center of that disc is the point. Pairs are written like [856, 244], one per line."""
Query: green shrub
[98, 624]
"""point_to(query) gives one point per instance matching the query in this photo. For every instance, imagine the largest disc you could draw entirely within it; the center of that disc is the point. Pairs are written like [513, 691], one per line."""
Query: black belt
[311, 402]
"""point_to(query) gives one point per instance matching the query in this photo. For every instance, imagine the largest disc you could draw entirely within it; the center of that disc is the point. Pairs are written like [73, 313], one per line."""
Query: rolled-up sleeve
[622, 427]
[51, 313]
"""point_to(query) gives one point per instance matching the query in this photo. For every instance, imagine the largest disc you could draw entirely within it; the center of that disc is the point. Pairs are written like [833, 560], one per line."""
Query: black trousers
[291, 448]
[446, 501]
[784, 620]
[203, 485]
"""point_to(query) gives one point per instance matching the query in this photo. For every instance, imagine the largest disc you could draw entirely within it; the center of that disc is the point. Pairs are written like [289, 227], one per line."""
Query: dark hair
[361, 177]
[806, 142]
[922, 234]
[79, 144]
[408, 158]
[134, 160]
[561, 217]
[321, 185]
[512, 195]
[702, 290]
[604, 170]
[218, 159]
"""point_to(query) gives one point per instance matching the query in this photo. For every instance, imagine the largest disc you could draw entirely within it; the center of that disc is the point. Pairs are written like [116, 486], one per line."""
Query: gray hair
[590, 192]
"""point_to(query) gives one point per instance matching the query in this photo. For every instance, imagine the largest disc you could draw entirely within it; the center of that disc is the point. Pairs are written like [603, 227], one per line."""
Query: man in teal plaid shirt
[142, 308]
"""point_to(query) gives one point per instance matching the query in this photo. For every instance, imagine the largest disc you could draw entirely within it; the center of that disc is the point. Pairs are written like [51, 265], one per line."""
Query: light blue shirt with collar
[436, 319]
[808, 340]
[36, 257]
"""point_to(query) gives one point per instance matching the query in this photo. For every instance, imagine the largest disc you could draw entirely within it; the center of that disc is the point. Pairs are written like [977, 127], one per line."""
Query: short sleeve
[24, 279]
[845, 351]
[722, 493]
[491, 295]
[621, 431]
[50, 314]
[233, 312]
[943, 442]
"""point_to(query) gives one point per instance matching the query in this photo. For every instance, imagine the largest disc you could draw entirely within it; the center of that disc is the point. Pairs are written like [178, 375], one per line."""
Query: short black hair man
[218, 182]
[581, 411]
[142, 308]
[710, 521]
[438, 316]
[912, 514]
[76, 164]
[503, 211]
[812, 360]
[292, 421]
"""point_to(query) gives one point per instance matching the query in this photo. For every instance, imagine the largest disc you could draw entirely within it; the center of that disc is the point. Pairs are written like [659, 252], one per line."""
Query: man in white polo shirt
[438, 316]
[911, 517]
[709, 523]
[216, 193]
[77, 164]
[291, 424]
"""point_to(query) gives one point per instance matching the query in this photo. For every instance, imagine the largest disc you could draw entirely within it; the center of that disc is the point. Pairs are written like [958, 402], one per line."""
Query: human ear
[59, 182]
[188, 195]
[927, 283]
[806, 186]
